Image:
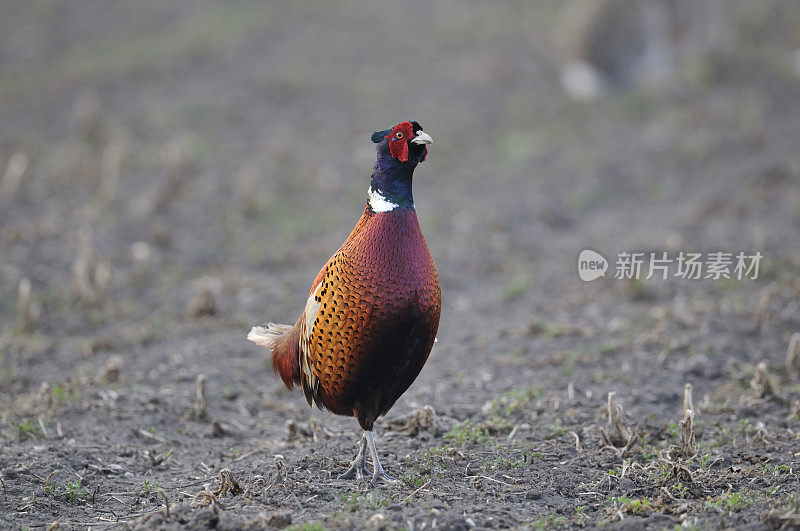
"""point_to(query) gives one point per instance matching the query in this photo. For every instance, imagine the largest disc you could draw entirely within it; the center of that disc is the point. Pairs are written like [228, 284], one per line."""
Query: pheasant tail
[282, 341]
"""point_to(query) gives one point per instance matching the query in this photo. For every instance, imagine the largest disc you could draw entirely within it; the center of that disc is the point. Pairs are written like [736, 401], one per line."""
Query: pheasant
[372, 313]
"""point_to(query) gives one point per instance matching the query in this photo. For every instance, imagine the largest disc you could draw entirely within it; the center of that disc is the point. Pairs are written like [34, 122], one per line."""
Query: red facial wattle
[398, 140]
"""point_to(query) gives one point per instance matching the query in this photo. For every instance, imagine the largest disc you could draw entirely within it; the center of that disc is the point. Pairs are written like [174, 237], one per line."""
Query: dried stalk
[629, 446]
[761, 434]
[616, 435]
[110, 370]
[45, 395]
[12, 178]
[781, 518]
[615, 413]
[415, 422]
[166, 502]
[203, 303]
[90, 276]
[577, 440]
[687, 397]
[793, 356]
[142, 256]
[27, 308]
[765, 298]
[229, 484]
[686, 426]
[200, 403]
[761, 387]
[111, 164]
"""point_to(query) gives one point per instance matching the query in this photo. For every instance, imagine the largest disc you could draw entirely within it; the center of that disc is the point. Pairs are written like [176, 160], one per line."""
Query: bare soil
[185, 168]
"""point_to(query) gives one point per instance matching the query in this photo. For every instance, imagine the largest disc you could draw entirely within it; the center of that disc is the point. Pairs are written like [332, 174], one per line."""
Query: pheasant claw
[378, 474]
[358, 466]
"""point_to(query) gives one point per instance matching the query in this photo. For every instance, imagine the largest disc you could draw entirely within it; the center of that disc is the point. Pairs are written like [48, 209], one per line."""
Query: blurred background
[172, 173]
[177, 171]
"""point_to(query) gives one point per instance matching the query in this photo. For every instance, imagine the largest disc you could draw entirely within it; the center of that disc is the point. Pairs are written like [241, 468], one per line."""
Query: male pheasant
[372, 313]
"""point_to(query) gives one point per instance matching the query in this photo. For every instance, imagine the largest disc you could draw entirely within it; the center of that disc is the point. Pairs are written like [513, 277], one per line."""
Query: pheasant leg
[378, 474]
[358, 466]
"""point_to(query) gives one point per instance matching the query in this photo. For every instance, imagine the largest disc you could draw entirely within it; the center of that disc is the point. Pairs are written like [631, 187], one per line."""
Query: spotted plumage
[372, 312]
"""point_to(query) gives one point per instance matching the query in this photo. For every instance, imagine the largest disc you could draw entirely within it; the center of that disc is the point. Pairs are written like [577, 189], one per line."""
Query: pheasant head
[400, 149]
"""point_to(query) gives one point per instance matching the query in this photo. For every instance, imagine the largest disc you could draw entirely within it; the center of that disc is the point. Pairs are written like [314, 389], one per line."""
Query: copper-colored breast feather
[371, 318]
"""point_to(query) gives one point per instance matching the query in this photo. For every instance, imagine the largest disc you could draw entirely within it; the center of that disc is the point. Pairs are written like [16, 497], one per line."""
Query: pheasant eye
[398, 135]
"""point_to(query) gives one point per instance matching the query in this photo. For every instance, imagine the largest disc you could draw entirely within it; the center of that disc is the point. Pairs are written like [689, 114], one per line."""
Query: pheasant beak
[422, 138]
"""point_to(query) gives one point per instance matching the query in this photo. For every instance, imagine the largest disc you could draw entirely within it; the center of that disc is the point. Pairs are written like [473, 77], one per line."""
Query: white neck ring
[378, 203]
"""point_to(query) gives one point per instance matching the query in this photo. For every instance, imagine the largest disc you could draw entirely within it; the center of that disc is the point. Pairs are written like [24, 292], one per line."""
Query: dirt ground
[172, 173]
